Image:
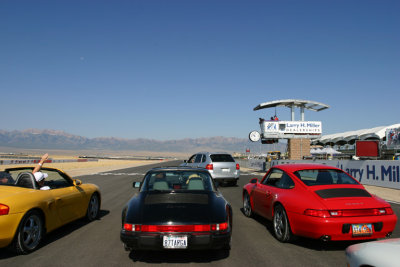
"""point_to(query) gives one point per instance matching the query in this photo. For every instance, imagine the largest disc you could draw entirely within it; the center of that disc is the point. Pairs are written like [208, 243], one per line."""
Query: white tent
[316, 151]
[363, 134]
[330, 151]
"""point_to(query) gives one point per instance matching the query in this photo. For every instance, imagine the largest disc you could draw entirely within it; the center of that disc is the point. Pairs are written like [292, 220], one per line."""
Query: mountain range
[54, 139]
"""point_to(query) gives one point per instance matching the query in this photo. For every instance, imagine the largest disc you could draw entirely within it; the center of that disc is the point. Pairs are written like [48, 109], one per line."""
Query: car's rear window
[324, 177]
[178, 180]
[6, 179]
[222, 158]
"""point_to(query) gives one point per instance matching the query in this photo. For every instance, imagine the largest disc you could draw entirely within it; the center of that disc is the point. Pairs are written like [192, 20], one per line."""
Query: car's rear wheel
[93, 208]
[281, 224]
[247, 210]
[29, 233]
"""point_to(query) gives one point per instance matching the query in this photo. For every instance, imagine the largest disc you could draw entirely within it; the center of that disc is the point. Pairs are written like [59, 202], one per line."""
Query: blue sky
[196, 68]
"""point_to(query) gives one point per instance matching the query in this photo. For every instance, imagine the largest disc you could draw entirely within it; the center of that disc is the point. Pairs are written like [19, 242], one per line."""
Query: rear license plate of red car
[175, 242]
[362, 229]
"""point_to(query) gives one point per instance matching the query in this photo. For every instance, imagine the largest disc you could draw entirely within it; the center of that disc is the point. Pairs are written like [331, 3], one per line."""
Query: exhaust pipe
[325, 238]
[127, 248]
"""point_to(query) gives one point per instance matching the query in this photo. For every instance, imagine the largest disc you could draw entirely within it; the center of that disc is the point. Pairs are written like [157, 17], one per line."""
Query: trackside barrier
[256, 164]
[36, 160]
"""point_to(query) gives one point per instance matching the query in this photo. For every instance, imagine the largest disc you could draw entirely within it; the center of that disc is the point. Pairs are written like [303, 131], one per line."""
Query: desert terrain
[108, 160]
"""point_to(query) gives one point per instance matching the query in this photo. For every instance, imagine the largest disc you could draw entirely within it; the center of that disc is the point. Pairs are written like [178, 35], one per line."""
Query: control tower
[299, 133]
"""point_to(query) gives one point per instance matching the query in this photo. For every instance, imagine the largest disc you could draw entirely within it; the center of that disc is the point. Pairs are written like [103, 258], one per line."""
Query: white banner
[291, 127]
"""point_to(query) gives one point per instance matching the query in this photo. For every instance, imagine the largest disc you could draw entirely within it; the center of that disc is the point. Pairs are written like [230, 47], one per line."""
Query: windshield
[324, 177]
[177, 181]
[221, 158]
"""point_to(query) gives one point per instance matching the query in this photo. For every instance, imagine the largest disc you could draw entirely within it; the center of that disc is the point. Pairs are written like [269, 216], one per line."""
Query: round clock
[254, 136]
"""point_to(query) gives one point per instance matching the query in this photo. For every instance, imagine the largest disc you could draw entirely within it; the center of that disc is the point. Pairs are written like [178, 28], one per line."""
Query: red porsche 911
[319, 202]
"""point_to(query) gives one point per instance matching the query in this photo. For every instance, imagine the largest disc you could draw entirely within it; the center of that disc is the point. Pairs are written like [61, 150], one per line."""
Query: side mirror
[254, 181]
[136, 184]
[77, 182]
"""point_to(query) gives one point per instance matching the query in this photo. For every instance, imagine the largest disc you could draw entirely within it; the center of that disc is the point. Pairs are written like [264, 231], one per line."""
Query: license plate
[225, 170]
[362, 229]
[175, 242]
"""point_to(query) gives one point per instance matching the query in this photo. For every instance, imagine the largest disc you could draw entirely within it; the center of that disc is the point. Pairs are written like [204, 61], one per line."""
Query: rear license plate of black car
[175, 241]
[362, 229]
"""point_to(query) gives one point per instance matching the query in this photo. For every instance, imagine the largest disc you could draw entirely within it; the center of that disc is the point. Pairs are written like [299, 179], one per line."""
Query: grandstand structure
[388, 137]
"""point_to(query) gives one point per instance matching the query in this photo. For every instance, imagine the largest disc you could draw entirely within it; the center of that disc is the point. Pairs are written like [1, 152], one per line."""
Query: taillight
[209, 167]
[237, 166]
[175, 228]
[317, 213]
[348, 213]
[132, 227]
[383, 211]
[219, 226]
[389, 211]
[4, 209]
[336, 213]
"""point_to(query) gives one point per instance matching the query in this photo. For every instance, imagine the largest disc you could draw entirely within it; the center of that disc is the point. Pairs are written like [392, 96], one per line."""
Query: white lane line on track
[394, 202]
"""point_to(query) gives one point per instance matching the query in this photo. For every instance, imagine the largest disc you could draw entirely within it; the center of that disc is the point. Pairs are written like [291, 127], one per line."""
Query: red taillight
[175, 228]
[367, 212]
[389, 211]
[132, 227]
[317, 213]
[209, 167]
[219, 227]
[237, 166]
[348, 213]
[4, 209]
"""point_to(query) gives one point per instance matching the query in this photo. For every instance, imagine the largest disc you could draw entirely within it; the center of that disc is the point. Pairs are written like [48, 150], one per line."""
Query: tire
[93, 208]
[247, 210]
[29, 233]
[281, 225]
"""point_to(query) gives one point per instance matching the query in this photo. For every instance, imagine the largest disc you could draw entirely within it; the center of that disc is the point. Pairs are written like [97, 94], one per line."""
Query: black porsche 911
[177, 208]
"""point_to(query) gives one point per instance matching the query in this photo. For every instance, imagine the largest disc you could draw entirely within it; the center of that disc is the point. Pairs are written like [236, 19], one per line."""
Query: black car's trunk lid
[176, 208]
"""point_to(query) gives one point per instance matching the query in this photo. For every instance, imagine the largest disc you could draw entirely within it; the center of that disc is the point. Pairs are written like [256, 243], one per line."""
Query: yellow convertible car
[27, 213]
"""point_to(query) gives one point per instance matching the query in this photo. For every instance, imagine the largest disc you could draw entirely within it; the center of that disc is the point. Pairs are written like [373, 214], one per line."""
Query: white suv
[222, 166]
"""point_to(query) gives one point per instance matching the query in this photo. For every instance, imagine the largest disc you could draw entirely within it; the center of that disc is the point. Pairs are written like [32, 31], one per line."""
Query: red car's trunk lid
[348, 198]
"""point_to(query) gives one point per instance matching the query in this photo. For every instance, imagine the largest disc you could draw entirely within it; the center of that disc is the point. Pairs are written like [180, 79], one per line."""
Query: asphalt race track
[98, 244]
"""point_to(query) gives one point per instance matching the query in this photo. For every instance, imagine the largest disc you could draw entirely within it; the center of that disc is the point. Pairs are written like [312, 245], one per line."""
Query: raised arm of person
[41, 162]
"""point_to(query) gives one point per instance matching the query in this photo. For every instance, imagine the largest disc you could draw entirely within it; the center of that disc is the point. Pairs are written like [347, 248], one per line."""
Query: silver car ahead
[222, 166]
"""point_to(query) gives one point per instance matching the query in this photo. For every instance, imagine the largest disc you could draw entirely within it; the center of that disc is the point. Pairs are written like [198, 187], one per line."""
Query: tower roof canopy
[312, 105]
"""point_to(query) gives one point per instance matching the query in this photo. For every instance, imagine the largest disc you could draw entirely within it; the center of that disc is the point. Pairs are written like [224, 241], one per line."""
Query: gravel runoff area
[392, 195]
